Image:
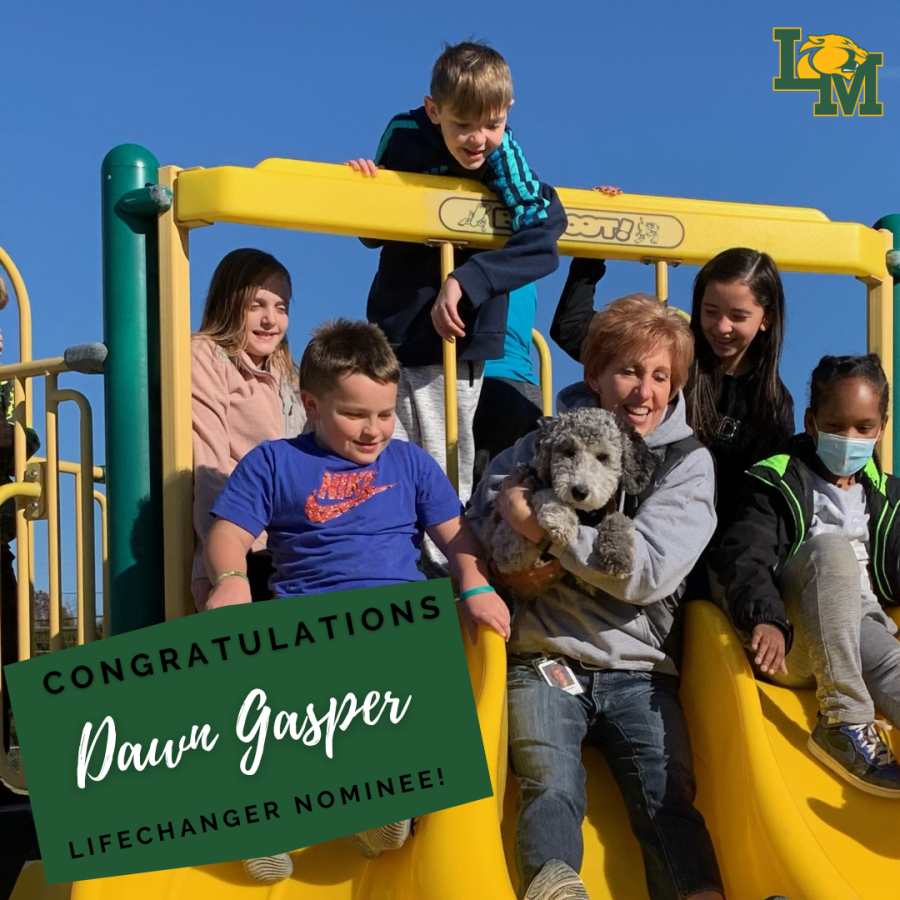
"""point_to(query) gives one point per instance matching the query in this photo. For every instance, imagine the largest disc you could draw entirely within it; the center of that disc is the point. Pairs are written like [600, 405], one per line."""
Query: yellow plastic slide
[781, 822]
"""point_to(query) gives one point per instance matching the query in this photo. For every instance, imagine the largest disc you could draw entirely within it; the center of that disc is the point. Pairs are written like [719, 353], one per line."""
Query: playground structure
[781, 823]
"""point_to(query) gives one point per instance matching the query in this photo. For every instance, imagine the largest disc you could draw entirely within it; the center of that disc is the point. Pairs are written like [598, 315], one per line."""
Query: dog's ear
[638, 462]
[543, 447]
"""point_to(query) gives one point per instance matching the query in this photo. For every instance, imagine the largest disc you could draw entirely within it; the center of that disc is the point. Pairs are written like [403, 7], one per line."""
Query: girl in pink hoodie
[243, 390]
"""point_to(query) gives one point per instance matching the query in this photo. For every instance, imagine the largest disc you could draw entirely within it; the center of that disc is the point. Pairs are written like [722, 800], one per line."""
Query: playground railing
[35, 490]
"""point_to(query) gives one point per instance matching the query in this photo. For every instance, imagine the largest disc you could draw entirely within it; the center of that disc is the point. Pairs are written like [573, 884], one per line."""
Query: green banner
[248, 731]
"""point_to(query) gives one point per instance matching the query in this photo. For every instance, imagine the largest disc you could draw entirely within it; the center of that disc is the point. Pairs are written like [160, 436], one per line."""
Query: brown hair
[632, 326]
[4, 294]
[473, 80]
[232, 289]
[342, 347]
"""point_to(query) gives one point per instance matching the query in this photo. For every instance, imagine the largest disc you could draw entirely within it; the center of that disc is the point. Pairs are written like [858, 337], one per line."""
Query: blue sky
[656, 97]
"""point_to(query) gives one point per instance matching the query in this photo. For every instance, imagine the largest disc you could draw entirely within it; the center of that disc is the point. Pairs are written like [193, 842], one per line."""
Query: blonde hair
[473, 80]
[232, 289]
[342, 347]
[4, 294]
[633, 326]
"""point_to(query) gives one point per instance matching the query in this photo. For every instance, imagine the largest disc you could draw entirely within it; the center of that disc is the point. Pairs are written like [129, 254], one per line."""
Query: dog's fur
[580, 459]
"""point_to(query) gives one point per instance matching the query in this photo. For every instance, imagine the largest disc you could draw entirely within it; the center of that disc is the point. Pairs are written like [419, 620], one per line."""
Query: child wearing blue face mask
[809, 561]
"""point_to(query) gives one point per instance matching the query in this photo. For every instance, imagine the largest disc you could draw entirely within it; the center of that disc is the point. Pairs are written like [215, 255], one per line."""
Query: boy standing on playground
[344, 508]
[460, 132]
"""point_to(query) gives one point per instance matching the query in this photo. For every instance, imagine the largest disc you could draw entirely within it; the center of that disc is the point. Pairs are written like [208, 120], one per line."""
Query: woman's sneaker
[375, 841]
[858, 754]
[556, 881]
[269, 869]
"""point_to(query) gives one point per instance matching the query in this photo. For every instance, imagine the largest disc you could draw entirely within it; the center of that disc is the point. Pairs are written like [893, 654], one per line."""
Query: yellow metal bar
[51, 499]
[82, 592]
[33, 368]
[28, 588]
[880, 337]
[104, 556]
[8, 492]
[24, 529]
[84, 517]
[175, 366]
[662, 280]
[397, 206]
[24, 306]
[67, 467]
[546, 370]
[451, 419]
[22, 417]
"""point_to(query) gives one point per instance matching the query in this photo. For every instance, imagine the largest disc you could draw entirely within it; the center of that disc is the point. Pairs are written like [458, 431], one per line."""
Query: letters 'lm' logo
[833, 65]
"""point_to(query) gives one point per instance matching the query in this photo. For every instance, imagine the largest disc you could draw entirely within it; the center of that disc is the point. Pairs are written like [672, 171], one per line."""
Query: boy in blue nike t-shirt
[344, 508]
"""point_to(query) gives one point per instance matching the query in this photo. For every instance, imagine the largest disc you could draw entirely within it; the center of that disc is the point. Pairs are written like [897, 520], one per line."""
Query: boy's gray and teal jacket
[409, 275]
[771, 522]
[631, 623]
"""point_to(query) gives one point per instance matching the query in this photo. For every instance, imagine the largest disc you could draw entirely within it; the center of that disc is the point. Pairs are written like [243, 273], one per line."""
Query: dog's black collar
[594, 517]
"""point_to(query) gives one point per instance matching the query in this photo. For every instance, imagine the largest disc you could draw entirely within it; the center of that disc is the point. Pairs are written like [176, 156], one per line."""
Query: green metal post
[131, 380]
[892, 224]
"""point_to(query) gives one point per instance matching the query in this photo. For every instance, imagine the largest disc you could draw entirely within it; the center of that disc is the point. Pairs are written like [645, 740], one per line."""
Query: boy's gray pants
[843, 642]
[420, 419]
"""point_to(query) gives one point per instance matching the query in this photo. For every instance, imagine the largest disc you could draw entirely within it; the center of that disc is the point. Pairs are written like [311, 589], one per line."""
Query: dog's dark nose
[579, 492]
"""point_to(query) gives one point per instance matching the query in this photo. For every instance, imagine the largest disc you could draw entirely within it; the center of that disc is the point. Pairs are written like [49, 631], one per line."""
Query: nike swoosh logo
[316, 512]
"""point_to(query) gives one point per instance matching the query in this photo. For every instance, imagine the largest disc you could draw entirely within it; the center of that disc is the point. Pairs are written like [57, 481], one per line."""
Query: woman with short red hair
[621, 643]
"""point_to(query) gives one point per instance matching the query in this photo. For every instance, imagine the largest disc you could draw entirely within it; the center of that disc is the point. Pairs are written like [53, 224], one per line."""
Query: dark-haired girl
[736, 401]
[811, 556]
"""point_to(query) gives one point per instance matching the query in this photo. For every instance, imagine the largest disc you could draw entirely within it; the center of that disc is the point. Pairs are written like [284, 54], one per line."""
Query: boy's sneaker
[858, 754]
[556, 881]
[269, 869]
[375, 841]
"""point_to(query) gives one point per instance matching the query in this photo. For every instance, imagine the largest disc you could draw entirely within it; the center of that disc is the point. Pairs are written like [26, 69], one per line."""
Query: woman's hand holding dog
[514, 503]
[532, 579]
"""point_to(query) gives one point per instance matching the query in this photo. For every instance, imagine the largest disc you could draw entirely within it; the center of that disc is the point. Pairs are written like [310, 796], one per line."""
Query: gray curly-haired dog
[580, 459]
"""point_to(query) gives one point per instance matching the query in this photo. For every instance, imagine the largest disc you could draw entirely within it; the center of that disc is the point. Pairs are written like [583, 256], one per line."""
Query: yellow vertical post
[81, 627]
[11, 776]
[662, 280]
[24, 308]
[22, 418]
[546, 371]
[880, 338]
[51, 498]
[451, 420]
[24, 530]
[175, 389]
[104, 558]
[84, 518]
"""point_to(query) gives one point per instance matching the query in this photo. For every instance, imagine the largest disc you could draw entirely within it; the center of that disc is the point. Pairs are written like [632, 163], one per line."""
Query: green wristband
[471, 592]
[233, 572]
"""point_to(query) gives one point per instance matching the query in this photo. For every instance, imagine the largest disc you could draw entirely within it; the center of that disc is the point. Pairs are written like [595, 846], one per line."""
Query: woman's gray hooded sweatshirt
[674, 524]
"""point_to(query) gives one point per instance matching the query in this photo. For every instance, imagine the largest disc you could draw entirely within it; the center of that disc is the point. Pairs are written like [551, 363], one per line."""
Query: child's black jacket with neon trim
[409, 275]
[771, 522]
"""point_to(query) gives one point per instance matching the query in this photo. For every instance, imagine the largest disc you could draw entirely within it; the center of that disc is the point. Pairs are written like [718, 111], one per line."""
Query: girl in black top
[736, 402]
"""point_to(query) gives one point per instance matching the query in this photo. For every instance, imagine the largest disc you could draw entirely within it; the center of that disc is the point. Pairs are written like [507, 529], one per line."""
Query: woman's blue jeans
[636, 720]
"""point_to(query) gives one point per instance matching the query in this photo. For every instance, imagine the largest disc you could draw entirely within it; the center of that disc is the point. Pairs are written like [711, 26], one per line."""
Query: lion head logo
[829, 54]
